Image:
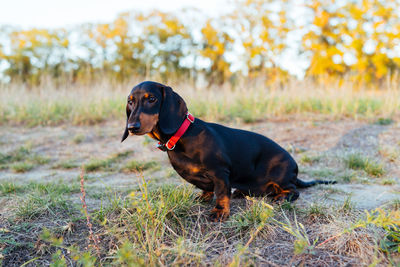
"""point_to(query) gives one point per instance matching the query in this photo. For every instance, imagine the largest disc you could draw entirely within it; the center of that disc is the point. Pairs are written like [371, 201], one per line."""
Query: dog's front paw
[219, 215]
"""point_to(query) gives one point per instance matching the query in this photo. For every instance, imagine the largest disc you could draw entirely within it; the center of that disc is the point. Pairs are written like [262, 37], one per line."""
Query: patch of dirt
[364, 139]
[307, 135]
[329, 139]
[362, 196]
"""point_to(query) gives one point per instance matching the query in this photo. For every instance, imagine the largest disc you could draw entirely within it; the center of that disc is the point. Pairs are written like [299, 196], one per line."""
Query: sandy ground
[328, 141]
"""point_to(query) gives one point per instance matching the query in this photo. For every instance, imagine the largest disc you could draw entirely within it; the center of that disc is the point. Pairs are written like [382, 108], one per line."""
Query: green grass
[20, 154]
[79, 138]
[29, 164]
[289, 206]
[302, 243]
[134, 166]
[309, 159]
[98, 164]
[317, 210]
[147, 212]
[22, 159]
[105, 164]
[59, 187]
[388, 182]
[7, 188]
[384, 121]
[348, 176]
[357, 161]
[34, 206]
[258, 212]
[120, 155]
[37, 159]
[347, 206]
[21, 167]
[322, 173]
[67, 164]
[47, 199]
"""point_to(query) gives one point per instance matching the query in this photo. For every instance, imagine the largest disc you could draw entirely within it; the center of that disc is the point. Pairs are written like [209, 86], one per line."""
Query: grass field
[85, 105]
[142, 214]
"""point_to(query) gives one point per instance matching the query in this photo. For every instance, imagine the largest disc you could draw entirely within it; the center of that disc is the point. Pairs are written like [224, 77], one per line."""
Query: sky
[57, 13]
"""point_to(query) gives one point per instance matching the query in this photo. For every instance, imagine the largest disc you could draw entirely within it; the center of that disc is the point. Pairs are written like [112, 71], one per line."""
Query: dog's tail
[302, 184]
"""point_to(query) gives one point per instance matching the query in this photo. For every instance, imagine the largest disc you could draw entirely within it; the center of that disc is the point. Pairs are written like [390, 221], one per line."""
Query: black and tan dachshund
[213, 157]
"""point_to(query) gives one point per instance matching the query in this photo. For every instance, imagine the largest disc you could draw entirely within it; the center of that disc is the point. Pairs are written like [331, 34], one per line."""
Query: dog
[210, 156]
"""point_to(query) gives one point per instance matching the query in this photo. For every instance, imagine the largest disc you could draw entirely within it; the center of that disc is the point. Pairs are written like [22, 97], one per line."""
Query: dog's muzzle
[134, 127]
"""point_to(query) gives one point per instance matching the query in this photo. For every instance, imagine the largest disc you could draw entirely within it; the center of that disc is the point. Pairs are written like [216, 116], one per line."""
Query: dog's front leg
[222, 190]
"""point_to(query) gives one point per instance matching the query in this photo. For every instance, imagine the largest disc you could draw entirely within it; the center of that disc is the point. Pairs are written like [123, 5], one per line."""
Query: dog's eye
[152, 99]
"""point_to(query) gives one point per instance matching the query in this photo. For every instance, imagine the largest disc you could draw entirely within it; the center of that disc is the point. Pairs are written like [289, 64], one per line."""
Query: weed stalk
[92, 236]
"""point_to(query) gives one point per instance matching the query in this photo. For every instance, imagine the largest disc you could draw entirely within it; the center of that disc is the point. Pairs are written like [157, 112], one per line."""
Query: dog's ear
[173, 111]
[126, 133]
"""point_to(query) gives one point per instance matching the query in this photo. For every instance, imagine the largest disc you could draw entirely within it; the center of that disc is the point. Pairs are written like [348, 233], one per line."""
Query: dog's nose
[134, 126]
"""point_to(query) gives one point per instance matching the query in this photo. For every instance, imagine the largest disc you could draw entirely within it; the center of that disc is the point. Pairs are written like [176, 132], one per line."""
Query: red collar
[170, 145]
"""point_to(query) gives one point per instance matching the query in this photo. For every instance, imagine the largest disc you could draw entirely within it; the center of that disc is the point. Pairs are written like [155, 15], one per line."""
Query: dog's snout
[134, 126]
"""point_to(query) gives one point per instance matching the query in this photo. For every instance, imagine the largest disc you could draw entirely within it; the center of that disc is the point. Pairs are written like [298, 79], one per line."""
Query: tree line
[355, 39]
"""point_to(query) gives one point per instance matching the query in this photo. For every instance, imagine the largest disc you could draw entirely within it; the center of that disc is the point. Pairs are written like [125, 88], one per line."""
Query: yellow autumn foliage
[340, 40]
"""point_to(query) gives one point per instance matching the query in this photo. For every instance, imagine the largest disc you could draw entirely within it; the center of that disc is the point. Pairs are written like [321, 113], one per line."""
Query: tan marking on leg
[222, 209]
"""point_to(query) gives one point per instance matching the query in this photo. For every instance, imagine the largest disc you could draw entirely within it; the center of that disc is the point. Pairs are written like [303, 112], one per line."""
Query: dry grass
[359, 243]
[247, 102]
[165, 225]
